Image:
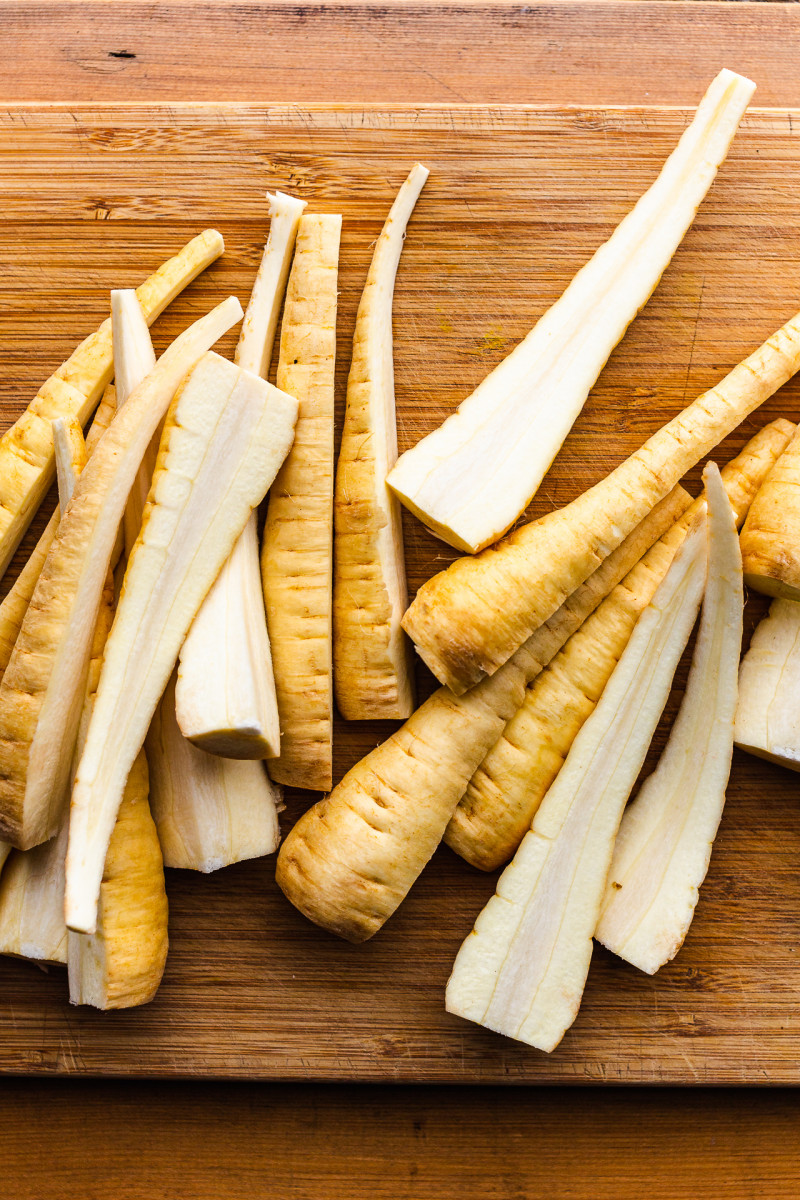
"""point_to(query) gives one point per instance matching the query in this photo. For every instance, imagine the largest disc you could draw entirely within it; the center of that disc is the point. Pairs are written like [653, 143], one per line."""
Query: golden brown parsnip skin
[352, 858]
[469, 619]
[505, 792]
[297, 552]
[770, 539]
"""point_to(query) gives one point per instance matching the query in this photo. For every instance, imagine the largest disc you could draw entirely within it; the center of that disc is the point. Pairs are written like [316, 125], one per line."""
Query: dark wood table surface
[125, 1140]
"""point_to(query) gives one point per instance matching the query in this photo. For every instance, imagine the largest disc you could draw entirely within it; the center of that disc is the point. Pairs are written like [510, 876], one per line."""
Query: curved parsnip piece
[26, 449]
[663, 847]
[134, 359]
[768, 712]
[297, 552]
[503, 795]
[209, 811]
[41, 691]
[332, 865]
[225, 697]
[469, 619]
[371, 659]
[225, 436]
[469, 480]
[523, 968]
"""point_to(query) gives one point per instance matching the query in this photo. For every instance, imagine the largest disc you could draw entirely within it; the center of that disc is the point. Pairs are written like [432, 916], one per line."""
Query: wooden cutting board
[517, 200]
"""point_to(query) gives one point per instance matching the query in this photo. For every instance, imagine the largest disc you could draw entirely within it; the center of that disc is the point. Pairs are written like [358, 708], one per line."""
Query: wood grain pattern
[283, 1142]
[516, 201]
[462, 51]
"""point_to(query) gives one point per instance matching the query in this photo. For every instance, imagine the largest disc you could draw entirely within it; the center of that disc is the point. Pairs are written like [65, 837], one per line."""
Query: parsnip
[523, 968]
[225, 435]
[134, 359]
[663, 847]
[371, 655]
[209, 811]
[26, 449]
[470, 479]
[770, 543]
[503, 795]
[15, 604]
[768, 712]
[44, 682]
[349, 862]
[226, 701]
[469, 619]
[296, 555]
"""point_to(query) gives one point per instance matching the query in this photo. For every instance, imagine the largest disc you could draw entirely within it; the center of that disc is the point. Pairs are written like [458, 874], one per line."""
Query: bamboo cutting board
[517, 200]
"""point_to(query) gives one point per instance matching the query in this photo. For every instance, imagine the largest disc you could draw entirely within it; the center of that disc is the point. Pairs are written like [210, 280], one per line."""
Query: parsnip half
[350, 861]
[209, 811]
[225, 436]
[41, 691]
[768, 712]
[26, 449]
[503, 795]
[523, 968]
[297, 551]
[134, 359]
[664, 843]
[469, 619]
[470, 479]
[226, 701]
[371, 655]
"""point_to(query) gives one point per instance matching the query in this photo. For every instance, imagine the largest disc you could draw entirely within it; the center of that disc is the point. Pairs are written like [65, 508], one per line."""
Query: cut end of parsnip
[32, 903]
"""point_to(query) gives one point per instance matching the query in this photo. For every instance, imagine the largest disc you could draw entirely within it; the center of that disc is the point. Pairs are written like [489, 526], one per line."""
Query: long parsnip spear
[371, 655]
[350, 860]
[468, 620]
[42, 689]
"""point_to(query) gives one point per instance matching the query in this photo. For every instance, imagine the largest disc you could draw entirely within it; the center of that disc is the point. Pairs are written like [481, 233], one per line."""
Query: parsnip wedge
[523, 968]
[297, 551]
[134, 359]
[225, 436]
[209, 811]
[664, 843]
[371, 654]
[470, 479]
[41, 691]
[768, 712]
[350, 861]
[226, 701]
[26, 449]
[468, 620]
[503, 795]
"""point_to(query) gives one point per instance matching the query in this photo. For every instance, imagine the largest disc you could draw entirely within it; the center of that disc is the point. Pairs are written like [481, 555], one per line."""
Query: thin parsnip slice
[768, 712]
[503, 795]
[470, 479]
[297, 551]
[226, 701]
[209, 811]
[42, 689]
[225, 436]
[349, 862]
[468, 620]
[664, 843]
[26, 449]
[371, 654]
[523, 968]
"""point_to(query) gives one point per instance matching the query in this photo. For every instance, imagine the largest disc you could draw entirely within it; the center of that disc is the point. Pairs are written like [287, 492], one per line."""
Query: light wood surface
[517, 200]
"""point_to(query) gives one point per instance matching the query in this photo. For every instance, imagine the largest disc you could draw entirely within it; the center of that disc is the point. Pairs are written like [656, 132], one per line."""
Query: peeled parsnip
[297, 551]
[469, 480]
[41, 691]
[371, 659]
[503, 795]
[349, 862]
[225, 696]
[523, 968]
[134, 359]
[225, 435]
[26, 449]
[768, 711]
[209, 811]
[468, 620]
[664, 843]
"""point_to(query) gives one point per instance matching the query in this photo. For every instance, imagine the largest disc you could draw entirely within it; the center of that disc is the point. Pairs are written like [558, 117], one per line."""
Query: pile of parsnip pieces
[163, 675]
